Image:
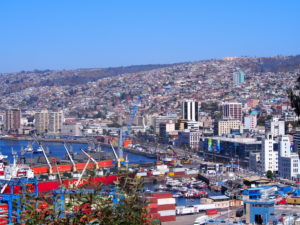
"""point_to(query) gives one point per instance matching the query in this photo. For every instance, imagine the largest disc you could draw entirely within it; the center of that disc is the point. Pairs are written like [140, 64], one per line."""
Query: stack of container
[179, 171]
[3, 214]
[166, 207]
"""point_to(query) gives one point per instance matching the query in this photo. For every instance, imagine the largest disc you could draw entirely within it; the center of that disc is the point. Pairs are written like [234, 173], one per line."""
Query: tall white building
[276, 127]
[268, 157]
[288, 162]
[250, 122]
[190, 110]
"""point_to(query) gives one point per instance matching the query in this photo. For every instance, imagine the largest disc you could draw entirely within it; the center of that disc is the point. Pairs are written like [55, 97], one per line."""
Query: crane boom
[46, 157]
[72, 161]
[83, 171]
[89, 156]
[115, 153]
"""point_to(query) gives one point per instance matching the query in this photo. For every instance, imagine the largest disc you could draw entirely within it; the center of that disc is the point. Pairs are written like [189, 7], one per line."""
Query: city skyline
[70, 35]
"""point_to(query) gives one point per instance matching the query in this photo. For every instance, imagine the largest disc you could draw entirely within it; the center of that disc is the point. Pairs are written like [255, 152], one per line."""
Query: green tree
[92, 207]
[269, 174]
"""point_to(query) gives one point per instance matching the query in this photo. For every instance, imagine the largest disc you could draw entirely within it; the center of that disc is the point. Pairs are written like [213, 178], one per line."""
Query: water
[57, 150]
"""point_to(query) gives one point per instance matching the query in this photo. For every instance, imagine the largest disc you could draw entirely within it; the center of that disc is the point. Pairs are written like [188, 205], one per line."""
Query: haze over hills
[109, 91]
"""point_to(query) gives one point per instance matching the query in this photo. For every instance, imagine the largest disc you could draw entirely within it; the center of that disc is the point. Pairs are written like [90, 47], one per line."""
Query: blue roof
[254, 112]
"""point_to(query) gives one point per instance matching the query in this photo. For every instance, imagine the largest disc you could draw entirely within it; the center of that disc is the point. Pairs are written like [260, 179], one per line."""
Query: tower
[190, 110]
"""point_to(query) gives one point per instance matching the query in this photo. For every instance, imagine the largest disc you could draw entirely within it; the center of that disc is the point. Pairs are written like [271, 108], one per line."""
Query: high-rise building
[238, 77]
[275, 126]
[48, 122]
[288, 161]
[268, 156]
[250, 122]
[190, 110]
[232, 110]
[12, 120]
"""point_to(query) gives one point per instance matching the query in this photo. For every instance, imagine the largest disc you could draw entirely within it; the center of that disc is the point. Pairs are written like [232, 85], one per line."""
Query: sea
[56, 149]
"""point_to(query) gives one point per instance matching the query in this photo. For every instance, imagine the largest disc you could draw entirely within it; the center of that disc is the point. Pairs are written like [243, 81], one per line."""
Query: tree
[93, 207]
[269, 174]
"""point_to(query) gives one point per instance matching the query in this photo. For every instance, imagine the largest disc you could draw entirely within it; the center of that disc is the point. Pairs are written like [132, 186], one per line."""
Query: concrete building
[72, 129]
[12, 120]
[250, 122]
[157, 120]
[189, 138]
[288, 161]
[232, 146]
[165, 129]
[268, 156]
[227, 126]
[275, 126]
[48, 122]
[238, 77]
[296, 137]
[232, 110]
[190, 110]
[254, 161]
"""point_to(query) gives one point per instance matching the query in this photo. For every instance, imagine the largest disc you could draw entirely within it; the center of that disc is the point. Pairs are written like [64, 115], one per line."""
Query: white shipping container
[162, 167]
[178, 169]
[167, 213]
[182, 210]
[166, 201]
[192, 171]
[155, 172]
[141, 174]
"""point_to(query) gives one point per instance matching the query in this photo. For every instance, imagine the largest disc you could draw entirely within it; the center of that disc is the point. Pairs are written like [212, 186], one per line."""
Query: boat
[51, 174]
[29, 148]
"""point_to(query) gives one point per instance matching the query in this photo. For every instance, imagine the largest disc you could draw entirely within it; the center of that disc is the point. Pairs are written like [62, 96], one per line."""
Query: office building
[48, 122]
[250, 122]
[12, 120]
[157, 120]
[268, 156]
[238, 77]
[190, 110]
[275, 126]
[222, 127]
[288, 161]
[232, 110]
[189, 138]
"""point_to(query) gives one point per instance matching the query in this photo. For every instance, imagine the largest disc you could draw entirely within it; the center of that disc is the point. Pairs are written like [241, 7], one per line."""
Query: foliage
[91, 204]
[269, 174]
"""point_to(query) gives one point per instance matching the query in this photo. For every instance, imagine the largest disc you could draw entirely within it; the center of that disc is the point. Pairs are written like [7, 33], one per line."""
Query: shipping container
[293, 200]
[171, 174]
[153, 210]
[211, 212]
[166, 201]
[155, 215]
[152, 205]
[141, 174]
[192, 172]
[178, 169]
[152, 199]
[166, 207]
[162, 195]
[167, 218]
[179, 173]
[167, 213]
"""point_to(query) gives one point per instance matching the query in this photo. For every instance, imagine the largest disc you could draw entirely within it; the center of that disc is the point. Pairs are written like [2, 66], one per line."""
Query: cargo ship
[54, 172]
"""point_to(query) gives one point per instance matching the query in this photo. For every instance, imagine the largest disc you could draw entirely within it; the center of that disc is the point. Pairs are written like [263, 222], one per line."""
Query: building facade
[12, 120]
[48, 122]
[227, 126]
[268, 156]
[190, 110]
[238, 77]
[232, 110]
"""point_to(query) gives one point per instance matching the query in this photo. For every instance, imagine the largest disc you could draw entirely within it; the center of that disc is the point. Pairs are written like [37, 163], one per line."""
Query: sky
[70, 34]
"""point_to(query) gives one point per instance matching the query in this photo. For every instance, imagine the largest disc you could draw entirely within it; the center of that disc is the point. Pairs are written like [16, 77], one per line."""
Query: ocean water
[57, 149]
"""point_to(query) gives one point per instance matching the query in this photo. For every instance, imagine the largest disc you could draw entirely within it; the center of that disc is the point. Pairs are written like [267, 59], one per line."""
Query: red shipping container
[167, 218]
[166, 207]
[152, 205]
[3, 220]
[153, 210]
[162, 195]
[179, 173]
[152, 199]
[211, 212]
[3, 208]
[155, 215]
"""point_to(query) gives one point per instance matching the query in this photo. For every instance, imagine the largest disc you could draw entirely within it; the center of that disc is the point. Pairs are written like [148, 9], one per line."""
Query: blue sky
[62, 34]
